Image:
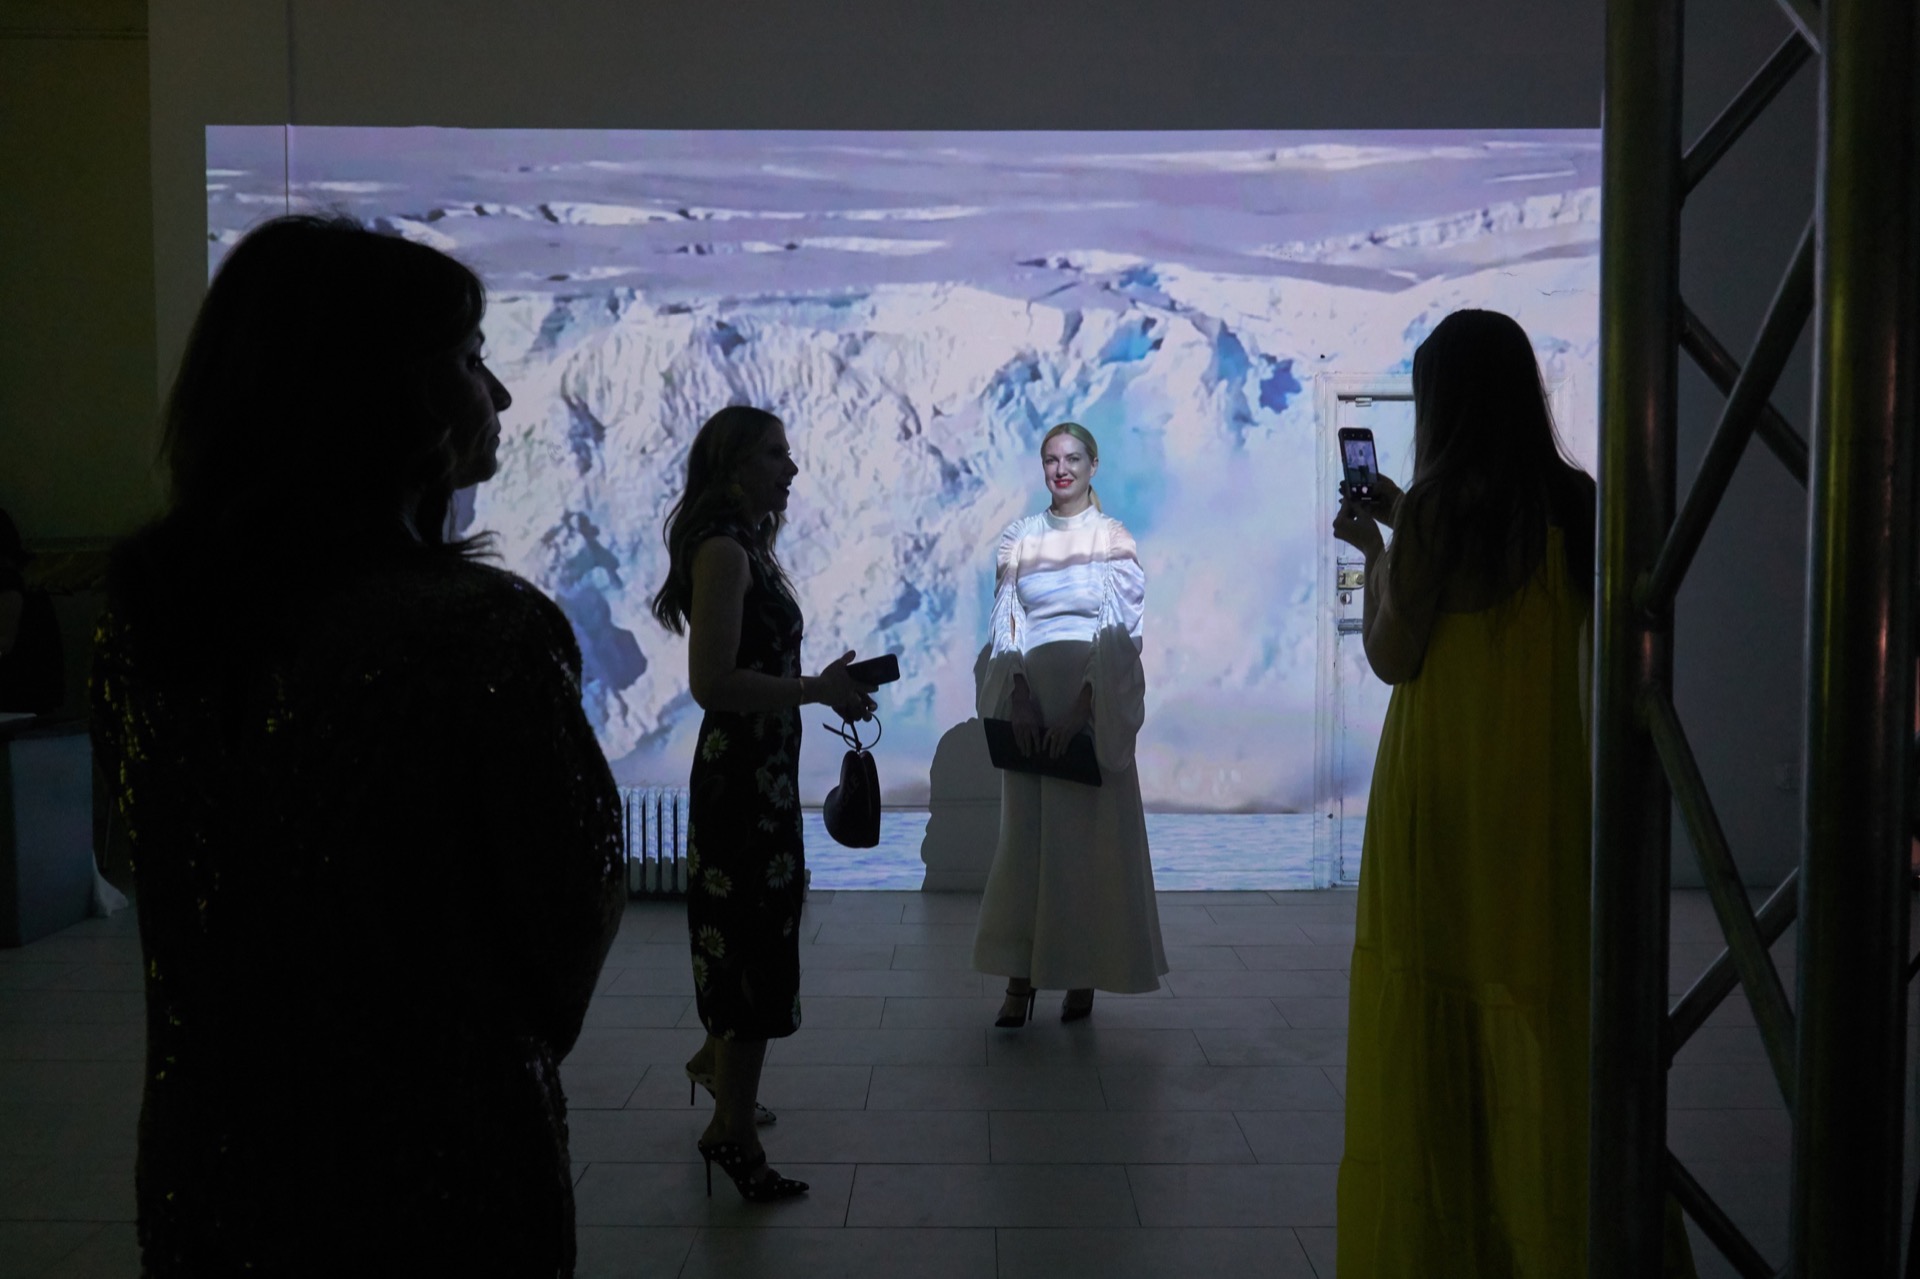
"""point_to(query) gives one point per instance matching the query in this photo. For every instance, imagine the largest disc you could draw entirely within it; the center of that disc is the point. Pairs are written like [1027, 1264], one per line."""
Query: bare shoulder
[721, 556]
[722, 574]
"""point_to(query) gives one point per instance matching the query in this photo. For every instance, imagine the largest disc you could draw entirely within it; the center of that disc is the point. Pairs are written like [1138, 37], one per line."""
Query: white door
[1353, 703]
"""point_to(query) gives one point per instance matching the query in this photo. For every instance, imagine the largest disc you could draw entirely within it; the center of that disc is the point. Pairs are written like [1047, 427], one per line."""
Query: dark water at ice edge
[1190, 851]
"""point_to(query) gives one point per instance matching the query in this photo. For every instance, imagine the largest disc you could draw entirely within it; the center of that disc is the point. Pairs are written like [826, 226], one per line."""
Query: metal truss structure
[1838, 1050]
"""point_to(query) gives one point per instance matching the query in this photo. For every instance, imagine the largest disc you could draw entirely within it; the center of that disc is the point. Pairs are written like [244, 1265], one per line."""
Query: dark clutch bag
[1079, 764]
[852, 810]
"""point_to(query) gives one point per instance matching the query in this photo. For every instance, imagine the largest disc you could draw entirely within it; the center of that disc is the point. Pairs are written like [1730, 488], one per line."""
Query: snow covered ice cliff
[915, 410]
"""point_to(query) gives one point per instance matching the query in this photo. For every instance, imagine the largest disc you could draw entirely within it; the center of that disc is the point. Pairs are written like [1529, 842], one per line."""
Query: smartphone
[876, 670]
[1357, 461]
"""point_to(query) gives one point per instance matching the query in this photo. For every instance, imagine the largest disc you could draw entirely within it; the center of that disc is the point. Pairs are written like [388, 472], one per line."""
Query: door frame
[1330, 390]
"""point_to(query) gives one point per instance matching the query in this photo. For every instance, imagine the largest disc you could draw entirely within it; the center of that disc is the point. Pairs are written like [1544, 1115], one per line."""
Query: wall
[76, 275]
[1086, 64]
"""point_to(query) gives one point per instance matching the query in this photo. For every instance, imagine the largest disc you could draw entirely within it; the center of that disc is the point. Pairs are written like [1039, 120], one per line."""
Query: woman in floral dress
[745, 863]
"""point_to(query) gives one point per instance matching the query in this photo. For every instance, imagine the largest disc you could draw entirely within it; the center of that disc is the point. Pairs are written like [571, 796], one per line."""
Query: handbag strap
[849, 732]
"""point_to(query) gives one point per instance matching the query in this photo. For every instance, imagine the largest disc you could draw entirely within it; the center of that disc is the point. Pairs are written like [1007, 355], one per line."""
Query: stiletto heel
[761, 1115]
[734, 1160]
[1011, 1020]
[1073, 1010]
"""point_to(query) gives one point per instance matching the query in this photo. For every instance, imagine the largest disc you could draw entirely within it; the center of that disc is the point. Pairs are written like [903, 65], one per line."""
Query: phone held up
[1361, 471]
[876, 671]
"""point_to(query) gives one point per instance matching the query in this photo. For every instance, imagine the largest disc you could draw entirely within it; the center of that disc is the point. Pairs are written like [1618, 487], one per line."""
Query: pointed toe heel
[742, 1165]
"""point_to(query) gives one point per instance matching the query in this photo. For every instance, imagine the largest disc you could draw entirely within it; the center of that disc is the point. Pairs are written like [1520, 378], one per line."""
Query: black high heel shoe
[1072, 1010]
[734, 1160]
[761, 1115]
[1021, 1018]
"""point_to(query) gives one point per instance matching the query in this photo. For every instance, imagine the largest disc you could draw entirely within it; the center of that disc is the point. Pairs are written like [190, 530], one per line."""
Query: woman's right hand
[1029, 727]
[841, 692]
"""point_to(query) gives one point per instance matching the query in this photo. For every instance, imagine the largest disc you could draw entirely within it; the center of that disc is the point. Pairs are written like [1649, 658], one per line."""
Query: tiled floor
[1192, 1131]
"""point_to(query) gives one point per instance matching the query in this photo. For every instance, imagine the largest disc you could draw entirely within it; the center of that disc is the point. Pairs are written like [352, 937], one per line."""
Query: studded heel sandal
[1022, 1017]
[743, 1167]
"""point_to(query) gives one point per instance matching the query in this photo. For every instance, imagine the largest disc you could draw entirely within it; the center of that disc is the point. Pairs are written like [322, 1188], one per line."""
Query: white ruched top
[1073, 578]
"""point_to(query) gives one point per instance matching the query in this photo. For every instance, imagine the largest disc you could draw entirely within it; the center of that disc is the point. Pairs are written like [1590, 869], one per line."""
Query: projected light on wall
[920, 307]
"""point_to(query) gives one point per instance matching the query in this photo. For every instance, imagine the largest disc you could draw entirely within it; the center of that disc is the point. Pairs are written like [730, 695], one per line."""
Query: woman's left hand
[1070, 726]
[1358, 529]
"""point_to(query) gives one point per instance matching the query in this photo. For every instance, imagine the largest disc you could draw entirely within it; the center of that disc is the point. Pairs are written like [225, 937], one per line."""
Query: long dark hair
[306, 431]
[306, 387]
[709, 500]
[1488, 466]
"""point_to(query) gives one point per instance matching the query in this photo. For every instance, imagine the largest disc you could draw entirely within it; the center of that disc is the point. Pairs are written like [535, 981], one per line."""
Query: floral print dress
[746, 869]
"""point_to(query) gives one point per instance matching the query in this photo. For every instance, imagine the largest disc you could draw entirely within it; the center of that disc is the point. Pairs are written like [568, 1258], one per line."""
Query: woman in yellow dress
[1466, 1139]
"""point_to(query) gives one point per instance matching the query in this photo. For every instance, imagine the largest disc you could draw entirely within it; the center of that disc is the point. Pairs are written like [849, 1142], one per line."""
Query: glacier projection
[919, 308]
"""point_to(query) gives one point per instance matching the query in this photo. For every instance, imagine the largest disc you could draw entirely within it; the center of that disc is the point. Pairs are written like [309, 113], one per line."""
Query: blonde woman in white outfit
[1069, 902]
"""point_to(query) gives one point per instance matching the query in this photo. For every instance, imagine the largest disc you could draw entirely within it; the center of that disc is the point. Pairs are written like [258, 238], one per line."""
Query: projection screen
[919, 308]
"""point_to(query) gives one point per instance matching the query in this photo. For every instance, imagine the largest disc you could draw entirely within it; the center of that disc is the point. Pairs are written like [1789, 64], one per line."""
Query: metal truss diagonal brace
[1721, 369]
[1714, 1222]
[1773, 918]
[1805, 17]
[1757, 973]
[1774, 75]
[1786, 317]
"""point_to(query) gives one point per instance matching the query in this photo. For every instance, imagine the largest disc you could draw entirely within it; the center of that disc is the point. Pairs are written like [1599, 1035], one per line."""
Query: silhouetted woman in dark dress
[746, 871]
[376, 846]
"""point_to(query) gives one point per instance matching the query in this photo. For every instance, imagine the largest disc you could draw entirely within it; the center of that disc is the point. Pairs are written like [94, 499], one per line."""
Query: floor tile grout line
[1311, 1263]
[1243, 1136]
[686, 1258]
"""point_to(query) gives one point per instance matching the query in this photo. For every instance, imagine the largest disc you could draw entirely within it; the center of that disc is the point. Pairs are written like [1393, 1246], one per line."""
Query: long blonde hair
[1085, 436]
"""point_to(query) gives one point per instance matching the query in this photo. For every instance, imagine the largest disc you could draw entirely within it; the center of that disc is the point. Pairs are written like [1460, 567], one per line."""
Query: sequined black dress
[746, 869]
[377, 875]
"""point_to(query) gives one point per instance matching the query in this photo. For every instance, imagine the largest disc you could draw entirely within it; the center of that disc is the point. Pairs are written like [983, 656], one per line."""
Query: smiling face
[1069, 468]
[765, 475]
[474, 400]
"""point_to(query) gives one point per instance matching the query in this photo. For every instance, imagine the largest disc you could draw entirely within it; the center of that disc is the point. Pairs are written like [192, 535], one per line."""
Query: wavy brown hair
[711, 499]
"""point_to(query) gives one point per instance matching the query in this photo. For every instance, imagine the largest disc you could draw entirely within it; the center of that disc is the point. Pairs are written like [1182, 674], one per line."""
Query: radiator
[656, 840]
[654, 832]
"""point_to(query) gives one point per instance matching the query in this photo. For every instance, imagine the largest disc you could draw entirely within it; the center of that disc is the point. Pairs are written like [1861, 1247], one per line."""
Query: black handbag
[852, 810]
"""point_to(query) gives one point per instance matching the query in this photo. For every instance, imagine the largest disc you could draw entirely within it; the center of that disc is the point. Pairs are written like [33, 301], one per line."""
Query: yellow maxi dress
[1466, 1145]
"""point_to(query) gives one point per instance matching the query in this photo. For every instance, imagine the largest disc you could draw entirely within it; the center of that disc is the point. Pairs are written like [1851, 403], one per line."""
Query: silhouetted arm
[1400, 600]
[721, 578]
[553, 817]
